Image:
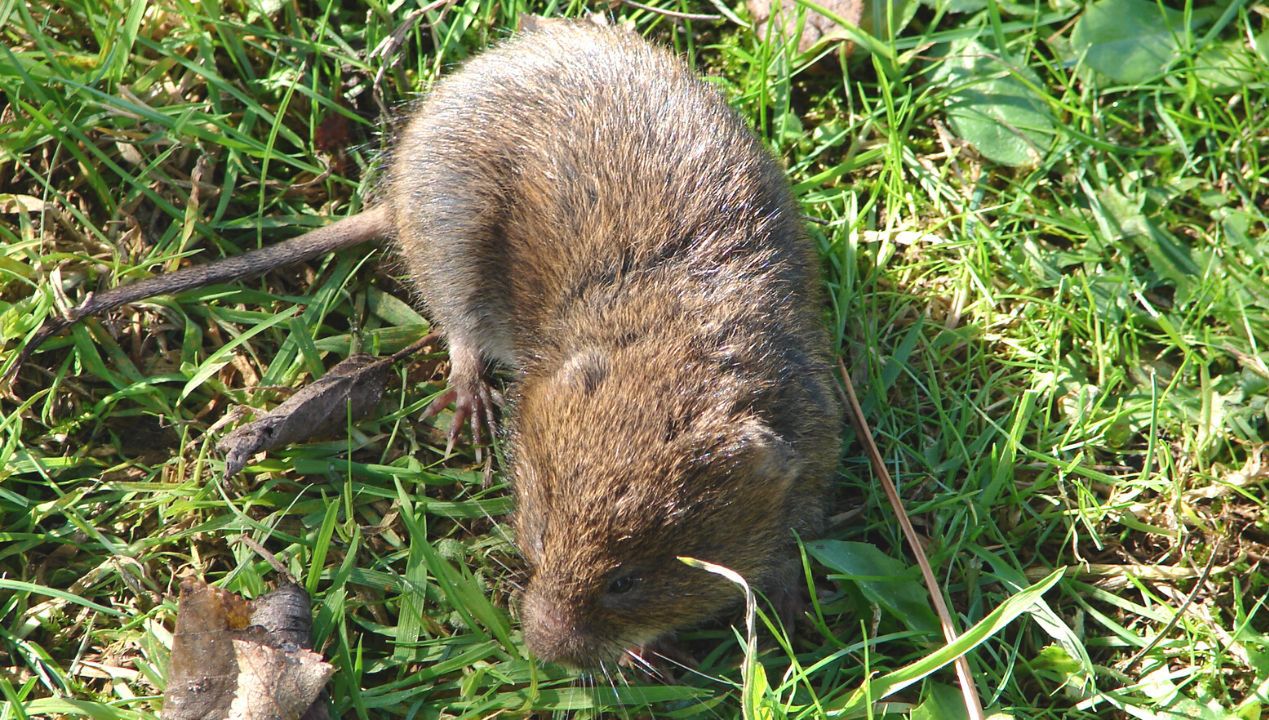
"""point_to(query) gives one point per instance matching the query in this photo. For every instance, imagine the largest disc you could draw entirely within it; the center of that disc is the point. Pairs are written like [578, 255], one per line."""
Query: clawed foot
[470, 395]
[473, 405]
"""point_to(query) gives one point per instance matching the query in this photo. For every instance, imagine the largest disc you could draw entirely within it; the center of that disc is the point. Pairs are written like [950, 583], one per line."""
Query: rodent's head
[620, 468]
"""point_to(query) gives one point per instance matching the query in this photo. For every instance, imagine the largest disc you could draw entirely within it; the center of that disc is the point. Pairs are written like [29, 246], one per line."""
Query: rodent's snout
[557, 633]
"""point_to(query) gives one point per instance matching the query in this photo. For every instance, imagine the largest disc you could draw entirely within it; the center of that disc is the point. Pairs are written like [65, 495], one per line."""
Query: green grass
[1058, 322]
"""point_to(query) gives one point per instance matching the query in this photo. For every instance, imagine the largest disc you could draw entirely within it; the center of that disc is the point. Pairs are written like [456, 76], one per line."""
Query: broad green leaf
[1225, 67]
[392, 310]
[887, 18]
[994, 105]
[1122, 216]
[1058, 660]
[891, 584]
[957, 6]
[1128, 41]
[942, 702]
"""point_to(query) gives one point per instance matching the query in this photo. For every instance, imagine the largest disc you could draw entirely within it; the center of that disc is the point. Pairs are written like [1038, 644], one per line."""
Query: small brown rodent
[577, 206]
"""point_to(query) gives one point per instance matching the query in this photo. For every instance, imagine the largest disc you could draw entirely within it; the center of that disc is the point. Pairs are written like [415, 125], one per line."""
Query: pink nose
[556, 634]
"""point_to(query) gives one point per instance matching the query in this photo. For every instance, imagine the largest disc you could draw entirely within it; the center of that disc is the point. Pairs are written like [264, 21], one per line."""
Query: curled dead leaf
[349, 390]
[243, 660]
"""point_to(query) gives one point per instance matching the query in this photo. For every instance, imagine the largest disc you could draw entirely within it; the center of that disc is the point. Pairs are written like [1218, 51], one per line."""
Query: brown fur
[578, 206]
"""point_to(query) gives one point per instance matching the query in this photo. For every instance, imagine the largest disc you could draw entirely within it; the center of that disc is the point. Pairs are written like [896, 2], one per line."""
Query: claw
[472, 406]
[442, 401]
[489, 399]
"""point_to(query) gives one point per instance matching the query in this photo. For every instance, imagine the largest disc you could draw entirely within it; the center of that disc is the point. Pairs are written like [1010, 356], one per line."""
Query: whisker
[692, 670]
[644, 665]
[612, 685]
[509, 572]
[591, 688]
[497, 526]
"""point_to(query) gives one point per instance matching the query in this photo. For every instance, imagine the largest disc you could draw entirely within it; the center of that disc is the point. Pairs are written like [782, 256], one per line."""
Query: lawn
[1045, 235]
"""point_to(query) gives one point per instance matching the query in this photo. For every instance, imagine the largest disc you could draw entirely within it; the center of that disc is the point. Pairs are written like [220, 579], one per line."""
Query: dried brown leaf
[234, 659]
[781, 17]
[202, 673]
[350, 389]
[274, 683]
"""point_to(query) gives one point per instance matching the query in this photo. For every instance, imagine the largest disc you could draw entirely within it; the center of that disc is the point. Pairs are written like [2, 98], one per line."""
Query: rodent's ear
[584, 370]
[765, 453]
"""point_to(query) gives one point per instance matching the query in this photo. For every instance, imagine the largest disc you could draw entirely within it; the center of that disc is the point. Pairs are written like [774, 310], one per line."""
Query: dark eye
[622, 584]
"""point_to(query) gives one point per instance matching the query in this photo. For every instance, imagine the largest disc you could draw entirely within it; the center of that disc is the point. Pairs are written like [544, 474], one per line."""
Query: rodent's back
[583, 152]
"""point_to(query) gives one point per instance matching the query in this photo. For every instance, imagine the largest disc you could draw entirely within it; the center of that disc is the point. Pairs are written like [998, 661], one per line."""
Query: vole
[577, 206]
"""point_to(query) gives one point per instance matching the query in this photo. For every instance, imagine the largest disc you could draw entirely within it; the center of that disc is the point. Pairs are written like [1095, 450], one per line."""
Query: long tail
[363, 227]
